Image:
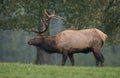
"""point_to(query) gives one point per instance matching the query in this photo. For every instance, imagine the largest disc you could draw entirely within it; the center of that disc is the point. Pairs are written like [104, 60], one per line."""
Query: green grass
[16, 70]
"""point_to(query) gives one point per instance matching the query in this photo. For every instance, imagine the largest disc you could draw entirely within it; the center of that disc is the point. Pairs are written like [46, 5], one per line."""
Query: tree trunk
[42, 57]
[113, 49]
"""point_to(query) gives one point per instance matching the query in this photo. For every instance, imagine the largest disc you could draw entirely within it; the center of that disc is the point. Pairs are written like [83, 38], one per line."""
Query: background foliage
[26, 14]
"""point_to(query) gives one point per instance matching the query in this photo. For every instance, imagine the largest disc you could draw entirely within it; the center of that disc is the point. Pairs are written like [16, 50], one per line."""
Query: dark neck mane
[49, 44]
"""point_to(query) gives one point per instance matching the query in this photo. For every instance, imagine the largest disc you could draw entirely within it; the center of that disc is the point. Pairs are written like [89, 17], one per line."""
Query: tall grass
[16, 70]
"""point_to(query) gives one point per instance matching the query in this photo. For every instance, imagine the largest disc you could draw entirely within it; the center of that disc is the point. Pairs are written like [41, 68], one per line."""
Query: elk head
[45, 24]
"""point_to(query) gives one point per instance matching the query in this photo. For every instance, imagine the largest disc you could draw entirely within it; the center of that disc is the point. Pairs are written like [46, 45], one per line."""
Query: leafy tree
[111, 21]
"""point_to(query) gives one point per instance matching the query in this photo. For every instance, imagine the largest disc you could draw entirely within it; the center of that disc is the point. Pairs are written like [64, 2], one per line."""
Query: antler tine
[35, 30]
[53, 13]
[44, 24]
[46, 13]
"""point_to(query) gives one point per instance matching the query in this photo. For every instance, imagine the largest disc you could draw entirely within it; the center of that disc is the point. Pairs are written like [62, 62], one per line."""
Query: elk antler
[44, 24]
[46, 13]
[52, 15]
[35, 30]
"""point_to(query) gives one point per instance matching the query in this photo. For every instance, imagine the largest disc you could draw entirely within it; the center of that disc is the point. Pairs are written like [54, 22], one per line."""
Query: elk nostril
[28, 42]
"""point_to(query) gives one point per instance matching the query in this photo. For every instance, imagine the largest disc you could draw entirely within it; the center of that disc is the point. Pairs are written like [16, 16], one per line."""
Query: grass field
[16, 70]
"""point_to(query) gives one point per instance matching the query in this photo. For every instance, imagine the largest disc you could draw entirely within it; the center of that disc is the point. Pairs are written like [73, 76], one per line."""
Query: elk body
[69, 42]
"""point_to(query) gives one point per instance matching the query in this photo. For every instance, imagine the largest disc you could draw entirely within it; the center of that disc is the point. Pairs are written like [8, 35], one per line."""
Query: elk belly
[85, 50]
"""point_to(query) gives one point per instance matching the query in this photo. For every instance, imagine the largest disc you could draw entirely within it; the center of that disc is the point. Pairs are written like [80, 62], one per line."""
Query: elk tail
[102, 35]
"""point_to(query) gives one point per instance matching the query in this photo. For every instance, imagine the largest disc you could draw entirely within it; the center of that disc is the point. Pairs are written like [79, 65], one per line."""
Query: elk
[69, 42]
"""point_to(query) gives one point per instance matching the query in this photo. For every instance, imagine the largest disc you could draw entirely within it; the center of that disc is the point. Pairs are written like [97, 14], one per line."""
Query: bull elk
[69, 42]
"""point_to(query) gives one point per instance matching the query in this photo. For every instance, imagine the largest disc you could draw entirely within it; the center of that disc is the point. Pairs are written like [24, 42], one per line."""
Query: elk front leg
[64, 58]
[102, 60]
[71, 57]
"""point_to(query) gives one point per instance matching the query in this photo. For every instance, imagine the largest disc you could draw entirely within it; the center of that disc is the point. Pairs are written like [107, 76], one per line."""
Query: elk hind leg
[99, 57]
[102, 60]
[71, 57]
[96, 59]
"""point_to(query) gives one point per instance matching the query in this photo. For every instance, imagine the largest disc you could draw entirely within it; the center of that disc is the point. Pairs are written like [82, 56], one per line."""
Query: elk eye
[38, 37]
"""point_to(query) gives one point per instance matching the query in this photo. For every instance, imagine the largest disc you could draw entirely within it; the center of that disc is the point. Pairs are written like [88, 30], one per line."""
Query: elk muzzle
[29, 42]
